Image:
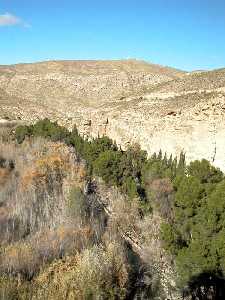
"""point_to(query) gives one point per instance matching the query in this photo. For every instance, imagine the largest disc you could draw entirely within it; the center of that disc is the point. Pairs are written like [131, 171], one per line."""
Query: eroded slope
[130, 101]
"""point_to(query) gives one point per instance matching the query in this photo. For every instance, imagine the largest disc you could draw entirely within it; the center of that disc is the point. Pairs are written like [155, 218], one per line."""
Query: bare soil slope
[131, 101]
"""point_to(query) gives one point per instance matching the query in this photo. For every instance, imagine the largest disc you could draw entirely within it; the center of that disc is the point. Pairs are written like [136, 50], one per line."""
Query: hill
[130, 101]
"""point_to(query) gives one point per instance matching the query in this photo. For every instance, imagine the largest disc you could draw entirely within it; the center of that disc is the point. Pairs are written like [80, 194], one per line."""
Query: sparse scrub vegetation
[104, 159]
[95, 273]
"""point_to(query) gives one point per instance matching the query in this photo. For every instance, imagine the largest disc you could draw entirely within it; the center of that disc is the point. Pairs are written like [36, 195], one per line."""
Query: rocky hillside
[130, 101]
[81, 80]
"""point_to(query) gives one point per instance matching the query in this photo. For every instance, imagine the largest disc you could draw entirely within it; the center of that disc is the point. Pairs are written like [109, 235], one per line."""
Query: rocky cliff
[130, 101]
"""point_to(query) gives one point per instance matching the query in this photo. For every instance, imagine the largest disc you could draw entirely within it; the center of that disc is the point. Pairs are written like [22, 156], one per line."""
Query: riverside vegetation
[57, 241]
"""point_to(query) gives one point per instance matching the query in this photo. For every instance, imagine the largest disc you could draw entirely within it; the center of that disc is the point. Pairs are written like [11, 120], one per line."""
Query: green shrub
[21, 132]
[197, 234]
[44, 128]
[107, 165]
[130, 187]
[204, 171]
[76, 203]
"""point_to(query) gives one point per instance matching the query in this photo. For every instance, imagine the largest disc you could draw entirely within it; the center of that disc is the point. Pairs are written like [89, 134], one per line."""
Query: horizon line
[108, 60]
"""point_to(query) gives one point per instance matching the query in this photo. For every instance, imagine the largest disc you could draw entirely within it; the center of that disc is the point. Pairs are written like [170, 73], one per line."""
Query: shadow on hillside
[206, 286]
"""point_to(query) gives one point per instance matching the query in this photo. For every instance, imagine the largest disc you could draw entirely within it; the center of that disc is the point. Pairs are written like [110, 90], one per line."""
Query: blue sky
[187, 34]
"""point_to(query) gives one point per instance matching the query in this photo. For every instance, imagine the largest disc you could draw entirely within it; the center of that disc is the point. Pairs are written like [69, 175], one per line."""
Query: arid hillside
[81, 80]
[130, 101]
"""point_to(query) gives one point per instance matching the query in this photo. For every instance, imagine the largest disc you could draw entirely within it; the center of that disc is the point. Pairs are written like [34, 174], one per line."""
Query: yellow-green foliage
[19, 258]
[14, 289]
[96, 273]
[76, 203]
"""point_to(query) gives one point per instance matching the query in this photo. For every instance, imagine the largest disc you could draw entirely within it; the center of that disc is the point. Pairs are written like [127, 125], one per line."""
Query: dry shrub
[33, 205]
[14, 289]
[162, 195]
[163, 186]
[26, 258]
[65, 240]
[41, 168]
[96, 273]
[149, 228]
[100, 272]
[4, 176]
[124, 216]
[8, 226]
[8, 288]
[6, 133]
[37, 192]
[19, 258]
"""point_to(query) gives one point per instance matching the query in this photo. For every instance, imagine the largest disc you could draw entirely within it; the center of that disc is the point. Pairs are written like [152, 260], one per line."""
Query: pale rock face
[198, 131]
[130, 101]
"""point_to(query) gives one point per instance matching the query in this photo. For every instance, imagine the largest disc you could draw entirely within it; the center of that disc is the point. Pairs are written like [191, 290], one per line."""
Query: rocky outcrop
[173, 125]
